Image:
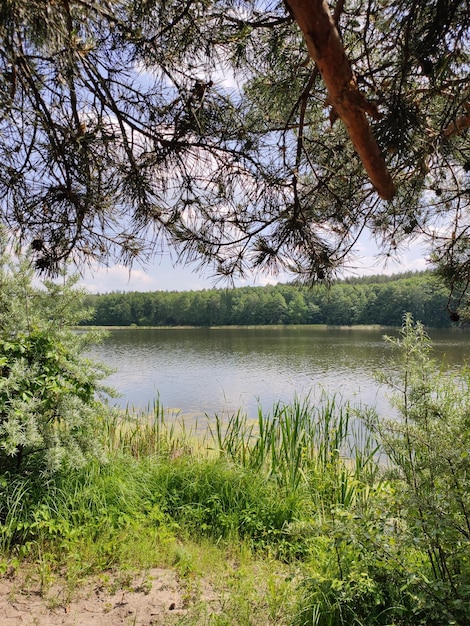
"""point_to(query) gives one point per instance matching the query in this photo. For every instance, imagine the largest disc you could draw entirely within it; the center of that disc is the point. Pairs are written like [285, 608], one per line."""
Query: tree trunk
[326, 49]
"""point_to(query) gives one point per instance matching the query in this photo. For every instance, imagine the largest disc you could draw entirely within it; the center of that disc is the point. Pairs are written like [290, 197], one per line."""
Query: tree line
[374, 300]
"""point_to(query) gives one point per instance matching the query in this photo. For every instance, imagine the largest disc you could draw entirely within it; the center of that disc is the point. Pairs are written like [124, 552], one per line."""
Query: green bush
[429, 450]
[402, 557]
[48, 405]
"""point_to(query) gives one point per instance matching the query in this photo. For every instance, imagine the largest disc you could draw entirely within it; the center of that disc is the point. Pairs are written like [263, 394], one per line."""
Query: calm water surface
[208, 371]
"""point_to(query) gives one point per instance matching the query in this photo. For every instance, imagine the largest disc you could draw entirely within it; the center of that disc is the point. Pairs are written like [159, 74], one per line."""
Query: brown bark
[459, 124]
[326, 49]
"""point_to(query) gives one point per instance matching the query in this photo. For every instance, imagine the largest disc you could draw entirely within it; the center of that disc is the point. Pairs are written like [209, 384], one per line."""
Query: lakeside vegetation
[378, 300]
[244, 138]
[316, 527]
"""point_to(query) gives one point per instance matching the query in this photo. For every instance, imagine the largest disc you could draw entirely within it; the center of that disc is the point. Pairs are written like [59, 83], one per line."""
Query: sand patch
[154, 598]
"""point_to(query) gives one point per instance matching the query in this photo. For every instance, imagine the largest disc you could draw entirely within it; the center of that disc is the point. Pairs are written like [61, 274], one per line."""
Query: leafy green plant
[402, 556]
[399, 553]
[428, 447]
[48, 389]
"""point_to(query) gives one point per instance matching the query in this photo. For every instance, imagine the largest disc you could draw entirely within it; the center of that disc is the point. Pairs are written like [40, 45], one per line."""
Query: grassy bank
[254, 495]
[293, 518]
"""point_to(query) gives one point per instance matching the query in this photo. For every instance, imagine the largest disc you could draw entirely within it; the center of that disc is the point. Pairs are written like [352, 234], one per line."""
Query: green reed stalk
[296, 440]
[146, 433]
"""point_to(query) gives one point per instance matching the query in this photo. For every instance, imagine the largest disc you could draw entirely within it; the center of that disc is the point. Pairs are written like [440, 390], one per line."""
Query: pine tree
[118, 135]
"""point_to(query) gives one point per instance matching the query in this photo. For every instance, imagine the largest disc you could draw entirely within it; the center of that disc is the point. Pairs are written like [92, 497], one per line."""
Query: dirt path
[154, 598]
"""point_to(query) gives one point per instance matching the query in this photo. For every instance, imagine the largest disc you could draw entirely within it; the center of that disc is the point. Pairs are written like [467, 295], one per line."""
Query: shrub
[402, 557]
[48, 403]
[429, 449]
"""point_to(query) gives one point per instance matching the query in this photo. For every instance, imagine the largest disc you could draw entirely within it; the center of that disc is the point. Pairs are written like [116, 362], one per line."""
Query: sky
[162, 275]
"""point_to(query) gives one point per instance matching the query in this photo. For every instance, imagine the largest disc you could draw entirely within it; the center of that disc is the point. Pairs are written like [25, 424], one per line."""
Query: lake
[202, 371]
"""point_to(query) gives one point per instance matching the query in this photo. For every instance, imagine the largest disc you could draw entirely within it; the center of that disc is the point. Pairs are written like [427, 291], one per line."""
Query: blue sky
[162, 275]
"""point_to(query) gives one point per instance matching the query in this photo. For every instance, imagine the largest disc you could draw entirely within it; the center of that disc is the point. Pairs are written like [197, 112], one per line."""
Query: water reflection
[201, 371]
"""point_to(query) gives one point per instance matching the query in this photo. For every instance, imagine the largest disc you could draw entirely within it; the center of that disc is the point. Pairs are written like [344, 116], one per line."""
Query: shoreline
[244, 326]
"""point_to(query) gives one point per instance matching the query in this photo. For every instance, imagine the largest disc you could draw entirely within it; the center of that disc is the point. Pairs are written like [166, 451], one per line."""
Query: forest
[373, 300]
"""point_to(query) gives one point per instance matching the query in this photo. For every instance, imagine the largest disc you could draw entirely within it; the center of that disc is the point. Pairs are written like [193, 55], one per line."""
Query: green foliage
[47, 388]
[148, 433]
[81, 513]
[429, 449]
[264, 496]
[377, 300]
[358, 573]
[220, 500]
[401, 556]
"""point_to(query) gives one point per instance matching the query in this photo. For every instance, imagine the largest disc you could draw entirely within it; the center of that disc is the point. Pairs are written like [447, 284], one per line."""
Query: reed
[154, 431]
[297, 441]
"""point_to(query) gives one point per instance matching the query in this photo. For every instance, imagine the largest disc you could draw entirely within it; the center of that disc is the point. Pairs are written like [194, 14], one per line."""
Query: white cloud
[160, 276]
[370, 260]
[368, 265]
[116, 278]
[163, 275]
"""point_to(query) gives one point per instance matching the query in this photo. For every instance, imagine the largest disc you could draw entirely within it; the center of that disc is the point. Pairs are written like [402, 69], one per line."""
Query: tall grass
[297, 440]
[154, 431]
[273, 484]
[225, 477]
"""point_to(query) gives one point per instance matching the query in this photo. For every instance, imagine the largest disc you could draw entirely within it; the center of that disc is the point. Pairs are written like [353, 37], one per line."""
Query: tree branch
[456, 126]
[326, 49]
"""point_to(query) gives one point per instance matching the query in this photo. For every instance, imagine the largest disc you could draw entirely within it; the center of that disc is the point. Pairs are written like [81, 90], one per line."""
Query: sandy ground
[154, 598]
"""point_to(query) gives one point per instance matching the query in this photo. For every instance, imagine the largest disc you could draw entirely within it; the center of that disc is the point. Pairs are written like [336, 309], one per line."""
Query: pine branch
[459, 124]
[326, 49]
